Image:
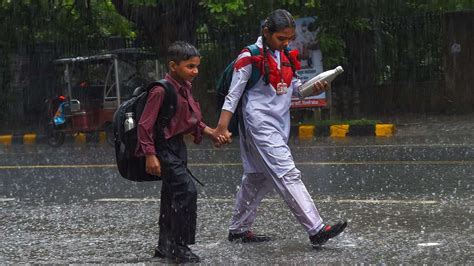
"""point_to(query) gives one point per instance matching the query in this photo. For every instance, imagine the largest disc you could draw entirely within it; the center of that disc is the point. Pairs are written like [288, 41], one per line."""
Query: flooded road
[406, 200]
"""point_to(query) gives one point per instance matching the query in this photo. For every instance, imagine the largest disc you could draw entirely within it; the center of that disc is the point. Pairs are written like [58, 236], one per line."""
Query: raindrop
[429, 244]
[349, 245]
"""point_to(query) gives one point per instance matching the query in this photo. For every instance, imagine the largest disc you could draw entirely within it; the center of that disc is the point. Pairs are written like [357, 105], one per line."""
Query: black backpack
[223, 85]
[130, 166]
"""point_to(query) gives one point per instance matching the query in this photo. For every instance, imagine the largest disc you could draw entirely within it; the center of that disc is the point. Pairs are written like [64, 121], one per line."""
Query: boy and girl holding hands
[266, 157]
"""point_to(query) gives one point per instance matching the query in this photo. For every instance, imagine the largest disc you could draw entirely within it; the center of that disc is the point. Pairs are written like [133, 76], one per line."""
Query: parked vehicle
[92, 88]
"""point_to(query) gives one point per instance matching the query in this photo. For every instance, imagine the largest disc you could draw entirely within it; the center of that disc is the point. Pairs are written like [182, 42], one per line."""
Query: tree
[27, 25]
[35, 21]
[159, 23]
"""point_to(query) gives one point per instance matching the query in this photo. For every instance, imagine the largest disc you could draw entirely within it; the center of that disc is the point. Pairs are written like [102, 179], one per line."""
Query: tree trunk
[162, 24]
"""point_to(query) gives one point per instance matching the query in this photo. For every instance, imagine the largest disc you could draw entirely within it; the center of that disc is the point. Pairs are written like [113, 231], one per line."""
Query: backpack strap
[168, 108]
[255, 76]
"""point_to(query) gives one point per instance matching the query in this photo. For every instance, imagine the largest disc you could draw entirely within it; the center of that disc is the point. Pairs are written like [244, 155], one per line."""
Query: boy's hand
[319, 87]
[153, 166]
[210, 132]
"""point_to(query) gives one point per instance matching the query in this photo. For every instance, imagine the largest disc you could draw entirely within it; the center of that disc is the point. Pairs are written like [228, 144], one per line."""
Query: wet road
[407, 200]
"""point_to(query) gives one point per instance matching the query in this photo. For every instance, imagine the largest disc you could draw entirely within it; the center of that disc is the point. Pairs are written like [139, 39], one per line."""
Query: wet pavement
[408, 199]
[405, 231]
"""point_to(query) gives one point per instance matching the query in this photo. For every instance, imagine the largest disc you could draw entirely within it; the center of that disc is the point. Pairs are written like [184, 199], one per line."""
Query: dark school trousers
[178, 209]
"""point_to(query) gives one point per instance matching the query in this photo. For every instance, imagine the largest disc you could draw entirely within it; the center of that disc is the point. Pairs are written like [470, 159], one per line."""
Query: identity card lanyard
[282, 87]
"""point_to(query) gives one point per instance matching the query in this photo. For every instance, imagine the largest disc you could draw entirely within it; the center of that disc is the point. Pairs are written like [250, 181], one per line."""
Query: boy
[166, 154]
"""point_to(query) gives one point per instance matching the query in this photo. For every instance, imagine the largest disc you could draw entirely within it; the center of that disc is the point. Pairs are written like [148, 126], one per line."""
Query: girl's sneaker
[328, 231]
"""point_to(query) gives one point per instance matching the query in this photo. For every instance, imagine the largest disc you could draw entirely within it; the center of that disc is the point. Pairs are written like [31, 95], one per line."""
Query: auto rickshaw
[92, 88]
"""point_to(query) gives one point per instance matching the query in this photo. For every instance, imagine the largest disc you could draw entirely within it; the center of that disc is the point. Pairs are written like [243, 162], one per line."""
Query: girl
[266, 157]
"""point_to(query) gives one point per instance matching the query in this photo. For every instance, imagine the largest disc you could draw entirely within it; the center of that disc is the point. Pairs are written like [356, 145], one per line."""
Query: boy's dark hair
[181, 51]
[277, 20]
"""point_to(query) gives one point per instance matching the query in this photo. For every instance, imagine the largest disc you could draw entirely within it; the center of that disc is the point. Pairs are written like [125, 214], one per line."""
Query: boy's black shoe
[247, 237]
[159, 253]
[177, 253]
[328, 231]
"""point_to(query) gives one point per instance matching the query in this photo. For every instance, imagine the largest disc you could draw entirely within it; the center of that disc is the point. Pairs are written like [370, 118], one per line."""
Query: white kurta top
[266, 117]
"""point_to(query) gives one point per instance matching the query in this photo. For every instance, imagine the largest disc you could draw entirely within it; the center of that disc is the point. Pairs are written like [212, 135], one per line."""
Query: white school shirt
[266, 116]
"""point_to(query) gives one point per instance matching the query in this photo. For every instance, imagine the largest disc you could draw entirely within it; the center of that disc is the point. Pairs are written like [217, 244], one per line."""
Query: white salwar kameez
[266, 157]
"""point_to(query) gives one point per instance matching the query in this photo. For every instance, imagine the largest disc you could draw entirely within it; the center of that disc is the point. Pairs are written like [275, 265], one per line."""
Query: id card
[281, 88]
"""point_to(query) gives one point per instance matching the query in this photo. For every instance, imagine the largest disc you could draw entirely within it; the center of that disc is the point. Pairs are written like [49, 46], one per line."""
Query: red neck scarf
[275, 76]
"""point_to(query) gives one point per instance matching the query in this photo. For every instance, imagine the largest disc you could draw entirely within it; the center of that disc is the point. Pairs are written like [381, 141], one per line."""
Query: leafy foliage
[32, 21]
[157, 22]
[337, 19]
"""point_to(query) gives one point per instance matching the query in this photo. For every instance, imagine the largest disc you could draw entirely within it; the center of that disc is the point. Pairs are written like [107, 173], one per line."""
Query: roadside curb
[302, 132]
[33, 138]
[308, 132]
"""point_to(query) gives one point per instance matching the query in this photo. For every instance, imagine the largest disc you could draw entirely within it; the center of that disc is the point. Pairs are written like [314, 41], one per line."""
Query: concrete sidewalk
[395, 126]
[435, 125]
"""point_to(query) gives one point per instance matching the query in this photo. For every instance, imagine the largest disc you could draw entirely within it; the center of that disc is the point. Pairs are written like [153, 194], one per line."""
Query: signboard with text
[311, 59]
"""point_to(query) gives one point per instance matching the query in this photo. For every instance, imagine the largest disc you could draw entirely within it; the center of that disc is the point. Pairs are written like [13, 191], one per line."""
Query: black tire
[56, 138]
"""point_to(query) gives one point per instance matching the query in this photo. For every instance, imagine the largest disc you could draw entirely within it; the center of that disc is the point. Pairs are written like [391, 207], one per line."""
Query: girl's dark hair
[278, 20]
[181, 51]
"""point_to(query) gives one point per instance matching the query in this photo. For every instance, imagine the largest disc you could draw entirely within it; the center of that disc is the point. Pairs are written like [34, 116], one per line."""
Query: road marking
[52, 166]
[293, 148]
[127, 200]
[373, 201]
[322, 146]
[274, 200]
[349, 163]
[9, 167]
[270, 200]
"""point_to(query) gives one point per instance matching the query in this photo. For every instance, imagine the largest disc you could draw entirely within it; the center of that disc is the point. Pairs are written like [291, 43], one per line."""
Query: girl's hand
[153, 165]
[222, 135]
[319, 87]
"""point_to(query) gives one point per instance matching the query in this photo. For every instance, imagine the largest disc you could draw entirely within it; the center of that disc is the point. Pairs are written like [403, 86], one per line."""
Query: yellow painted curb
[102, 137]
[305, 132]
[384, 130]
[80, 138]
[29, 139]
[6, 139]
[339, 131]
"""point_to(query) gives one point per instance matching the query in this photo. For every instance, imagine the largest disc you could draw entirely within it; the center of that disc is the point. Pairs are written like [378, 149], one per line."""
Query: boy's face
[186, 70]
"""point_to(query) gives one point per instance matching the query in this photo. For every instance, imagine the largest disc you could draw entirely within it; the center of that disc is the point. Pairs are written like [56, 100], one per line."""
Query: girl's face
[186, 70]
[279, 40]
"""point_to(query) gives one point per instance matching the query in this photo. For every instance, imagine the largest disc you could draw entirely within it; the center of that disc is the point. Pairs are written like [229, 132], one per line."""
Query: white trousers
[255, 186]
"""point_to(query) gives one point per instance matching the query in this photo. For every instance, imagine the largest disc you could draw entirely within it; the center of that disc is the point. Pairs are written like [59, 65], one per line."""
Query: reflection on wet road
[405, 202]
